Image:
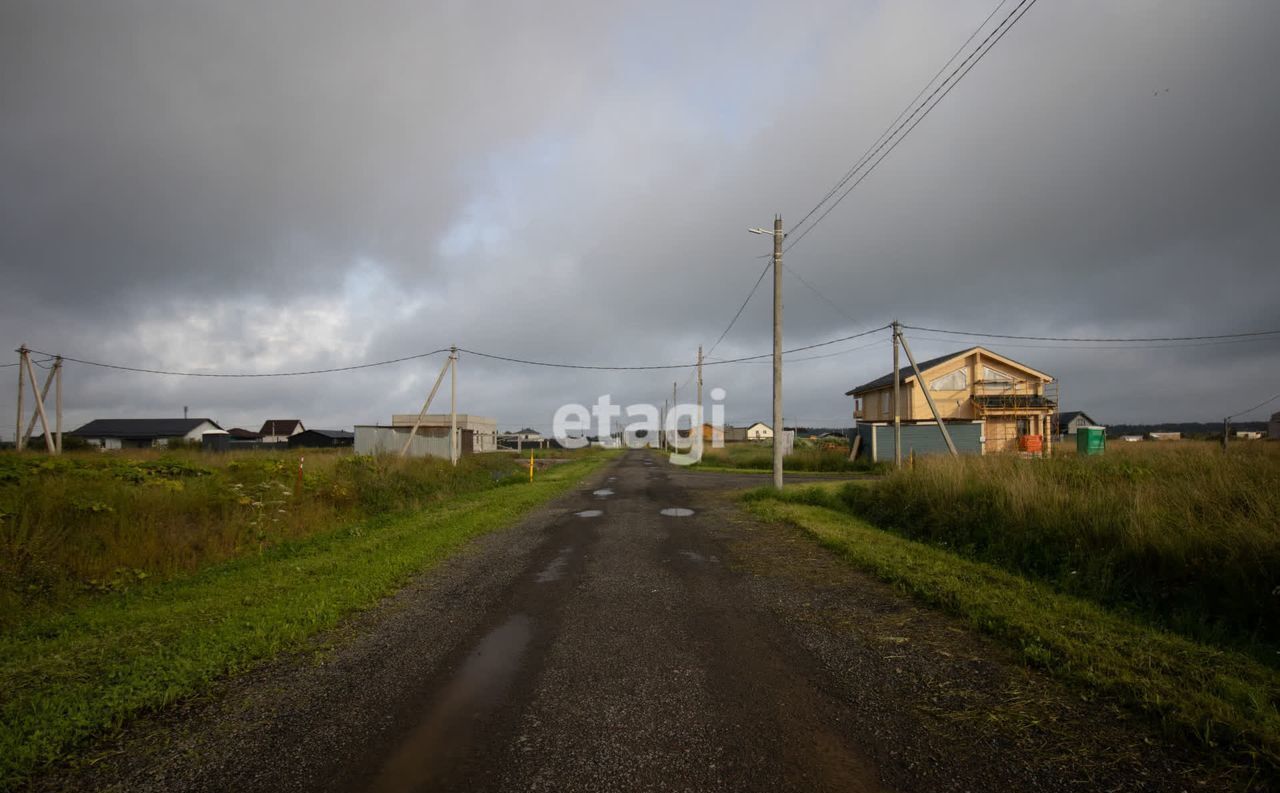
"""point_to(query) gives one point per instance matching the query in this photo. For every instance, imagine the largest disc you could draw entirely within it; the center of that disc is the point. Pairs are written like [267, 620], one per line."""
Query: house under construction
[1014, 403]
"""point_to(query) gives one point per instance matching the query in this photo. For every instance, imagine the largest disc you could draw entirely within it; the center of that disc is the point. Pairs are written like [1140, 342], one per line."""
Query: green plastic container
[1091, 440]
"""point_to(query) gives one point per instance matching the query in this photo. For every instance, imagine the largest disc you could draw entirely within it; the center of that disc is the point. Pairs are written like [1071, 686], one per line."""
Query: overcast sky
[274, 186]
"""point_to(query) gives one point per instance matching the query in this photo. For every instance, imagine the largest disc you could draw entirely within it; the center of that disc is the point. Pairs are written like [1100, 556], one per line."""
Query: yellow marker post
[530, 467]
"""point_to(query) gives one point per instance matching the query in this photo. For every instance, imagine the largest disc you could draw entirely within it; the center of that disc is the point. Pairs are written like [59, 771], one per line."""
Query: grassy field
[90, 523]
[759, 457]
[1180, 534]
[83, 668]
[1217, 699]
[1150, 574]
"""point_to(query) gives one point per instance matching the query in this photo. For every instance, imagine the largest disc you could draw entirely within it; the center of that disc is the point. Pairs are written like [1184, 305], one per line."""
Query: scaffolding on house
[1019, 414]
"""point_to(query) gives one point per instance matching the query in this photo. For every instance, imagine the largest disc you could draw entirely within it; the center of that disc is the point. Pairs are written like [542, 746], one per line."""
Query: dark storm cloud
[287, 185]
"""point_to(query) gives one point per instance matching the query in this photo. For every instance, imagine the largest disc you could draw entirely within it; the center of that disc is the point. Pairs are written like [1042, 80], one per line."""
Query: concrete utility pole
[699, 388]
[1226, 432]
[662, 429]
[897, 394]
[22, 385]
[57, 369]
[454, 446]
[778, 237]
[675, 428]
[448, 364]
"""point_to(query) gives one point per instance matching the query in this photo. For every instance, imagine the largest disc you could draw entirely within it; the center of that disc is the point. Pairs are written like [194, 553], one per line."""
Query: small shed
[322, 439]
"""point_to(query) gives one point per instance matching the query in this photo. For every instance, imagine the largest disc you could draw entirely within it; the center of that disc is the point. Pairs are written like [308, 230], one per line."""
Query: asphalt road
[609, 644]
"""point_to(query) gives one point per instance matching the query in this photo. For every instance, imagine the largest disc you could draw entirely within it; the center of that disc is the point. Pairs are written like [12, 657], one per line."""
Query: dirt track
[628, 650]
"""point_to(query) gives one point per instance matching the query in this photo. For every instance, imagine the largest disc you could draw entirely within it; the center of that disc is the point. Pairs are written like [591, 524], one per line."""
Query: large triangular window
[956, 381]
[990, 375]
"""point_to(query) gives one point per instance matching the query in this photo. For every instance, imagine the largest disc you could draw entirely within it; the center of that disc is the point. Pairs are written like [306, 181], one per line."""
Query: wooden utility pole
[778, 236]
[425, 405]
[897, 394]
[454, 447]
[22, 387]
[946, 434]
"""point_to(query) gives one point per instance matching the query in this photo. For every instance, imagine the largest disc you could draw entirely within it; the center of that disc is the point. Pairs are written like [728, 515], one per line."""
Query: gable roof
[758, 424]
[908, 374]
[1067, 416]
[139, 429]
[280, 426]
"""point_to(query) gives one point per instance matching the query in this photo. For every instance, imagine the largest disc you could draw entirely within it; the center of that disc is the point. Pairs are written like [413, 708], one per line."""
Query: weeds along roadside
[87, 668]
[1220, 702]
[89, 523]
[1183, 537]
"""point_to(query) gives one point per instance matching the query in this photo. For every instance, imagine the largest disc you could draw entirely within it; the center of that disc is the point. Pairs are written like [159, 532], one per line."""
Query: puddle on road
[478, 687]
[590, 513]
[603, 492]
[554, 570]
[693, 556]
[677, 512]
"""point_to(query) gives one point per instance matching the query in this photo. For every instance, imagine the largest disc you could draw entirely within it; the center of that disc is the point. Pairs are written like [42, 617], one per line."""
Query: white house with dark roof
[280, 430]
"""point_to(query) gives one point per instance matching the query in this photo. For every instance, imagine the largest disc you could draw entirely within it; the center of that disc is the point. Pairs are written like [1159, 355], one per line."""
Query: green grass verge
[1216, 698]
[85, 672]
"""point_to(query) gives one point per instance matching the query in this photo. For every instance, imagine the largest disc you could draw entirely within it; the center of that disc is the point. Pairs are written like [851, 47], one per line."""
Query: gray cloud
[282, 186]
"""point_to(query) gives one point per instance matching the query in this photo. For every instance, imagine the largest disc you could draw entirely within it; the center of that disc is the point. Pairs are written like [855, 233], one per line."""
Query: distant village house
[280, 430]
[143, 433]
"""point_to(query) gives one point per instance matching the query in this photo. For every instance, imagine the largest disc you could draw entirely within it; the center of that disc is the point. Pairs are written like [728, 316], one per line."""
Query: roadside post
[530, 467]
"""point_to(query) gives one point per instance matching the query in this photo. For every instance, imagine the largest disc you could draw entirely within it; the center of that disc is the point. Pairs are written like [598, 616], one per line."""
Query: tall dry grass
[1180, 532]
[92, 522]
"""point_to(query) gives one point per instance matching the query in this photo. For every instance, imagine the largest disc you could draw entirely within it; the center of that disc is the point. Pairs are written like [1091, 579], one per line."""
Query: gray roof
[330, 433]
[904, 373]
[139, 429]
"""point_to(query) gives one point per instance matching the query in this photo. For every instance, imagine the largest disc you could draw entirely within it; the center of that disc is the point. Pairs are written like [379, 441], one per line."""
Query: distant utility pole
[897, 394]
[675, 429]
[699, 388]
[1226, 432]
[454, 446]
[778, 237]
[662, 429]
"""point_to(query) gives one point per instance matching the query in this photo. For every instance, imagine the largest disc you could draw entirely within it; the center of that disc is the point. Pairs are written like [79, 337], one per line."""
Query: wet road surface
[641, 633]
[619, 659]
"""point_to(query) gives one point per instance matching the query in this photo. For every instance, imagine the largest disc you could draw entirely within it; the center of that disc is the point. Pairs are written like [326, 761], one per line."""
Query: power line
[820, 295]
[1108, 348]
[492, 356]
[866, 155]
[1255, 407]
[741, 308]
[912, 120]
[247, 374]
[1249, 334]
[554, 365]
